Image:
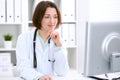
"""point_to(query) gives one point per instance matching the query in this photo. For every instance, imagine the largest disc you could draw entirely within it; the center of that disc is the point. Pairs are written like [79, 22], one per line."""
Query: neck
[44, 35]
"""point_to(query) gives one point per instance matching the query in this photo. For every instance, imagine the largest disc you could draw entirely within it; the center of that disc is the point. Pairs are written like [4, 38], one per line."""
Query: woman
[48, 57]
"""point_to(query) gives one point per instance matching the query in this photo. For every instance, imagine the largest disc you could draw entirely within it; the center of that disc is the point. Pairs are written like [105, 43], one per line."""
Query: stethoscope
[34, 52]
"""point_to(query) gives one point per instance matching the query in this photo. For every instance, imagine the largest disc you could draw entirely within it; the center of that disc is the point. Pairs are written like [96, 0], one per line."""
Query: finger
[54, 34]
[41, 78]
[48, 78]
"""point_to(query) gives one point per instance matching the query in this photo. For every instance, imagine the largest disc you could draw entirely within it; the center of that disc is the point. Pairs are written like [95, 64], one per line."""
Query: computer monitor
[102, 52]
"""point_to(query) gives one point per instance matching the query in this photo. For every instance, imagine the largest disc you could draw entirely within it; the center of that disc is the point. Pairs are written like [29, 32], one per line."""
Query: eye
[46, 17]
[55, 16]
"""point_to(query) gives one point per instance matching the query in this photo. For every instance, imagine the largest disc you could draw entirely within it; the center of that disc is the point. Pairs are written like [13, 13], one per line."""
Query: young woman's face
[50, 20]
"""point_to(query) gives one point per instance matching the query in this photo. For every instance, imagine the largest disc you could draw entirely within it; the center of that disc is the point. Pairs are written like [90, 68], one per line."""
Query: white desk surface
[10, 78]
[54, 78]
[73, 75]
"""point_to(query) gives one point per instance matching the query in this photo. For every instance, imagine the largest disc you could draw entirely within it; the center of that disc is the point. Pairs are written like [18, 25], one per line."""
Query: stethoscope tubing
[34, 51]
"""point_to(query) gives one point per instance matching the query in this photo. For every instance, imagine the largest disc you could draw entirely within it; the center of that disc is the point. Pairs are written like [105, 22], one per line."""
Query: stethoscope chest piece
[50, 54]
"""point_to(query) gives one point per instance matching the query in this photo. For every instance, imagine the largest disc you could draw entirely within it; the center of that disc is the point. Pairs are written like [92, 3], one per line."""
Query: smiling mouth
[50, 25]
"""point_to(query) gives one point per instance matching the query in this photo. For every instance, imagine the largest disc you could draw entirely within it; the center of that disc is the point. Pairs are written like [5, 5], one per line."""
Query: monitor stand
[100, 77]
[109, 76]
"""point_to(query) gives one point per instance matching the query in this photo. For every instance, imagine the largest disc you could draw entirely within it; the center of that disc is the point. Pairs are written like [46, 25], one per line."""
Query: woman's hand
[56, 38]
[46, 77]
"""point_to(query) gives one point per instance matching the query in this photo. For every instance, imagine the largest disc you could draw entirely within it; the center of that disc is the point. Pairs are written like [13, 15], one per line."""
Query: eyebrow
[49, 14]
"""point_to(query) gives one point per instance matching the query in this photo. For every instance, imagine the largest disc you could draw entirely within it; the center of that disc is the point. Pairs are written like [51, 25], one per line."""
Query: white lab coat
[24, 54]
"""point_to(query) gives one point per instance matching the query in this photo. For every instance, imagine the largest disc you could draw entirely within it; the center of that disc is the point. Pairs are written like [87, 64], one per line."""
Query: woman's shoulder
[28, 33]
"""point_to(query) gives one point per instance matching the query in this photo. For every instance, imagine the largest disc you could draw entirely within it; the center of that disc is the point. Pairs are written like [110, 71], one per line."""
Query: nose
[52, 20]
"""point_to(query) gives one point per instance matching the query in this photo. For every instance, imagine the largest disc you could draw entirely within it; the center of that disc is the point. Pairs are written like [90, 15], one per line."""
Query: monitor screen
[102, 52]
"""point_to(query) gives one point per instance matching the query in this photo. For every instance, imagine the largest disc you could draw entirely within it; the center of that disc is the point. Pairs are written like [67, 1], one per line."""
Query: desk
[10, 78]
[72, 78]
[54, 78]
[72, 75]
[68, 77]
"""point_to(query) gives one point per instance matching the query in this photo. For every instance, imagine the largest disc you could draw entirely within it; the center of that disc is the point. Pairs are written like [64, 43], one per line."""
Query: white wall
[104, 10]
[82, 18]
